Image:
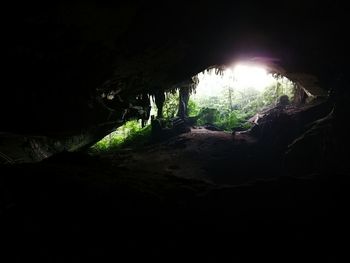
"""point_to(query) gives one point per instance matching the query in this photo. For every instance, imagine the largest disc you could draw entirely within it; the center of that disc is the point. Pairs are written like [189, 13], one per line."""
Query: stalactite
[159, 98]
[184, 95]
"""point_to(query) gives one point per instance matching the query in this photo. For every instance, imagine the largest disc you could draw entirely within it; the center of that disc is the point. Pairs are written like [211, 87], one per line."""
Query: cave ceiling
[61, 55]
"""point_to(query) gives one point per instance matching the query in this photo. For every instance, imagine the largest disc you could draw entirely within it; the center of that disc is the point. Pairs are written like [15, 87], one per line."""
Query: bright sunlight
[230, 97]
[240, 78]
[251, 77]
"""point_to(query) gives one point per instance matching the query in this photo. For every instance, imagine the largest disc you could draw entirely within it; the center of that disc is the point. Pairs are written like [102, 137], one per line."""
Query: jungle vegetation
[222, 102]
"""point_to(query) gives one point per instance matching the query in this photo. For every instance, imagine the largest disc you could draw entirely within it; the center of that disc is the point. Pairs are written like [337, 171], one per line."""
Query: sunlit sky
[239, 77]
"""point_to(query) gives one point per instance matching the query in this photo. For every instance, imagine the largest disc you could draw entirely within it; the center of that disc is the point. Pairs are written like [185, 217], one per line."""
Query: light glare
[251, 77]
[240, 78]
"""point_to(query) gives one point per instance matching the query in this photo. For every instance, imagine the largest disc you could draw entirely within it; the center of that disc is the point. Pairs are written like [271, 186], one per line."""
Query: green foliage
[138, 138]
[192, 108]
[129, 134]
[231, 109]
[226, 120]
[171, 105]
[272, 93]
[208, 115]
[110, 141]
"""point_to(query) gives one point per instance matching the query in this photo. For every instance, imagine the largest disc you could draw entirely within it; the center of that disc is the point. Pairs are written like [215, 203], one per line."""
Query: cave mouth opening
[230, 97]
[226, 98]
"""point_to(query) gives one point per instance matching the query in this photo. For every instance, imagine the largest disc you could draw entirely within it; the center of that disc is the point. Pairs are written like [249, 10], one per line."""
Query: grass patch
[130, 134]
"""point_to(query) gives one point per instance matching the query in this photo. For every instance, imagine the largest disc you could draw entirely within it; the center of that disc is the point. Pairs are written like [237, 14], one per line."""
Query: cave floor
[212, 156]
[204, 194]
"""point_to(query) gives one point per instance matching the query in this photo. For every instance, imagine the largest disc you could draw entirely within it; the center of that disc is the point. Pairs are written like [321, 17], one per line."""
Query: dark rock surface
[197, 195]
[74, 66]
[79, 69]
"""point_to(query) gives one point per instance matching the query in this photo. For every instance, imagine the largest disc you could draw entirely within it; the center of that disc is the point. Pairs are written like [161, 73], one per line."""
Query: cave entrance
[218, 98]
[229, 98]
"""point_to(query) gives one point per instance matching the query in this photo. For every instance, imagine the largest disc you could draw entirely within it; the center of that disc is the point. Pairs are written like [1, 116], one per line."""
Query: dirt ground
[213, 156]
[200, 195]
